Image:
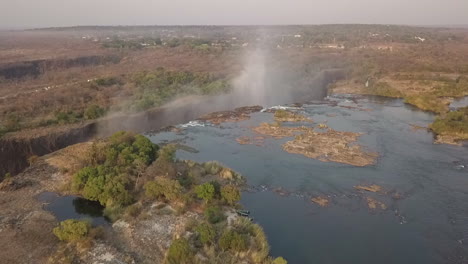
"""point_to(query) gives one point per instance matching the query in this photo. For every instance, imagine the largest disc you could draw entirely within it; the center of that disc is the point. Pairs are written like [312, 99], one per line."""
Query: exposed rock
[370, 188]
[288, 116]
[448, 139]
[258, 141]
[320, 200]
[277, 131]
[374, 204]
[415, 128]
[331, 146]
[236, 115]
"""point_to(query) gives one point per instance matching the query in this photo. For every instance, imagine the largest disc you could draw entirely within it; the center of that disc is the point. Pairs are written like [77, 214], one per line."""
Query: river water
[426, 186]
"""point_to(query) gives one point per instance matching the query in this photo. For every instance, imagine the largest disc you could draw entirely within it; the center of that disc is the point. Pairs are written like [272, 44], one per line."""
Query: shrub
[214, 214]
[32, 159]
[384, 89]
[207, 233]
[455, 122]
[212, 167]
[163, 187]
[230, 194]
[12, 122]
[72, 230]
[108, 81]
[179, 252]
[113, 213]
[281, 113]
[232, 240]
[262, 248]
[205, 191]
[427, 103]
[279, 260]
[94, 112]
[68, 117]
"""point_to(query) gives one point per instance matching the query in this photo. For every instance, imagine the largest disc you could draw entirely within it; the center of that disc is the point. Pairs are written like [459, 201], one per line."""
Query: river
[426, 222]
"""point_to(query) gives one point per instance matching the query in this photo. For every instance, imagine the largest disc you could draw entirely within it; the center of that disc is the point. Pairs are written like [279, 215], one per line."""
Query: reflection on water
[427, 222]
[73, 207]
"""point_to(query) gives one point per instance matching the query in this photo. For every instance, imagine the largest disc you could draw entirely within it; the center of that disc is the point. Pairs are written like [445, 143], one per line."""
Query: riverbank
[426, 91]
[148, 227]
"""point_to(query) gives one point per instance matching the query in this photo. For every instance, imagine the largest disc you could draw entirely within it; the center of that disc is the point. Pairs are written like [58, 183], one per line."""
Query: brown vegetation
[236, 115]
[370, 188]
[278, 131]
[288, 116]
[331, 146]
[320, 200]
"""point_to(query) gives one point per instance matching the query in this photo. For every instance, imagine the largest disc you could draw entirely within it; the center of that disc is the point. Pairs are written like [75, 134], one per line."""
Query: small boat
[245, 212]
[242, 214]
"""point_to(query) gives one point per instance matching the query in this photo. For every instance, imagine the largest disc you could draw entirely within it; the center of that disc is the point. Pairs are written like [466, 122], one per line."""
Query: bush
[72, 230]
[230, 194]
[32, 159]
[427, 103]
[94, 112]
[133, 210]
[279, 260]
[207, 233]
[384, 89]
[68, 117]
[455, 122]
[232, 240]
[214, 214]
[179, 252]
[205, 191]
[212, 167]
[108, 81]
[163, 187]
[12, 122]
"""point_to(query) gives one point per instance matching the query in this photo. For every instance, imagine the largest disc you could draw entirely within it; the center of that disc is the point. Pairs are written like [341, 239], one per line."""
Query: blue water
[428, 224]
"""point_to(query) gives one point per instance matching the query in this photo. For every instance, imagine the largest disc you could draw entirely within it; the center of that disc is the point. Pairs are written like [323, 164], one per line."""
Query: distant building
[389, 48]
[298, 36]
[420, 39]
[331, 46]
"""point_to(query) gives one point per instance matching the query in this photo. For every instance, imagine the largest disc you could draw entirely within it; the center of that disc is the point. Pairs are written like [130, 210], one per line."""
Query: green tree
[205, 191]
[230, 194]
[179, 252]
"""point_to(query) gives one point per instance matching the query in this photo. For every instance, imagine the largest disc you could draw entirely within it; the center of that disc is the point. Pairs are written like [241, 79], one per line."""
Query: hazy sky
[44, 13]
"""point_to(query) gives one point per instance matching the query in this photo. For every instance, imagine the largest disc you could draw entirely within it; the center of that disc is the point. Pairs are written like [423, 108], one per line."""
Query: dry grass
[72, 158]
[370, 188]
[331, 146]
[374, 204]
[320, 200]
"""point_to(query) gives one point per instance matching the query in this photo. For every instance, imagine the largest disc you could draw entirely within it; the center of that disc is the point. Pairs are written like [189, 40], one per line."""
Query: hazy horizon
[21, 14]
